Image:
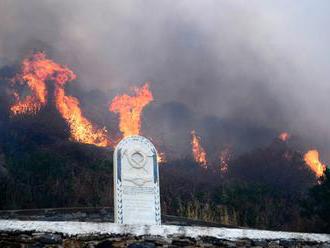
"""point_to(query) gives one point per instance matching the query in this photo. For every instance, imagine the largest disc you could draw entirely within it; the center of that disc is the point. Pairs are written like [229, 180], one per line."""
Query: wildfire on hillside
[35, 72]
[197, 150]
[81, 129]
[130, 108]
[312, 160]
[38, 71]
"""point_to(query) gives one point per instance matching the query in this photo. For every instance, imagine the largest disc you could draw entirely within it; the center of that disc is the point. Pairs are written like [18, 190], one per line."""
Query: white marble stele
[136, 182]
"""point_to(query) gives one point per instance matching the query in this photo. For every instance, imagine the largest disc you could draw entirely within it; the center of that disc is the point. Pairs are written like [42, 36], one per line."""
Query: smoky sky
[262, 64]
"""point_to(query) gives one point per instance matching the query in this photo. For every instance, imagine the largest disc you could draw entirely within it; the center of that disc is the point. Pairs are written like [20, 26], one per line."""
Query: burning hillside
[35, 73]
[236, 111]
[42, 100]
[40, 76]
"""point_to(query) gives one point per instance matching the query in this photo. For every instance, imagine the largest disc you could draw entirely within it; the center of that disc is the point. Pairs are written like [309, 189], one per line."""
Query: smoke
[261, 68]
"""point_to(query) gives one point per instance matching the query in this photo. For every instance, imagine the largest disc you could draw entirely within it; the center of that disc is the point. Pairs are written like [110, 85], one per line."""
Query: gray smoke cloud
[264, 65]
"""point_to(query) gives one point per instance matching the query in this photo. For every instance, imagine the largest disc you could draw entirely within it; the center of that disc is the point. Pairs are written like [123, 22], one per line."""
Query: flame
[312, 160]
[130, 108]
[34, 72]
[284, 136]
[197, 150]
[224, 157]
[81, 129]
[161, 158]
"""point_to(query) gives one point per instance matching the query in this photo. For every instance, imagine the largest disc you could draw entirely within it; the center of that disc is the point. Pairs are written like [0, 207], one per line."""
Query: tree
[317, 204]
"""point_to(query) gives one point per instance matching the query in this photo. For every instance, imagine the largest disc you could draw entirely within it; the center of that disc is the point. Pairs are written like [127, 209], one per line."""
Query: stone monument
[136, 182]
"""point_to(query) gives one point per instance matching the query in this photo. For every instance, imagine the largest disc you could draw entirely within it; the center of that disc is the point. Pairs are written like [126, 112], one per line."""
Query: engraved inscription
[136, 182]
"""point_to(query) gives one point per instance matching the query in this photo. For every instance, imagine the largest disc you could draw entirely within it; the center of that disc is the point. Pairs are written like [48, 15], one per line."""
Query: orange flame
[284, 136]
[81, 129]
[161, 158]
[312, 160]
[130, 108]
[34, 72]
[197, 150]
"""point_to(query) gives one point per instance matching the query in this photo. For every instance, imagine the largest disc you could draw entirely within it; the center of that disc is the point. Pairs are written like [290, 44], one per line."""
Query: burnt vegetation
[269, 187]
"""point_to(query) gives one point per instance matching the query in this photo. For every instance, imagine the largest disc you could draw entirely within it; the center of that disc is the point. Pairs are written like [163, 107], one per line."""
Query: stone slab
[136, 182]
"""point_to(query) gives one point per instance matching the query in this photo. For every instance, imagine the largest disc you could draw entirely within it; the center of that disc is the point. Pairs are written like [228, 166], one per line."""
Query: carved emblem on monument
[136, 182]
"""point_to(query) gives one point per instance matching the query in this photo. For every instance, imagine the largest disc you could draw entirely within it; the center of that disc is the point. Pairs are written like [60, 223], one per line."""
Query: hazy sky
[264, 62]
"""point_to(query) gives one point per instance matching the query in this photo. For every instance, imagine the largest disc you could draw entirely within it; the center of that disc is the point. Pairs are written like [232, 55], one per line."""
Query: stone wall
[30, 239]
[89, 214]
[24, 234]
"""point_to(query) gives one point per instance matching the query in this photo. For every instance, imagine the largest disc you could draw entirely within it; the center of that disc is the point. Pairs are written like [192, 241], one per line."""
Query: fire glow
[284, 136]
[161, 158]
[224, 157]
[81, 129]
[35, 72]
[312, 160]
[197, 150]
[130, 108]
